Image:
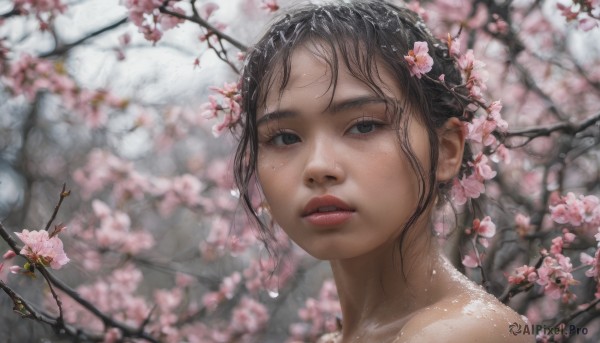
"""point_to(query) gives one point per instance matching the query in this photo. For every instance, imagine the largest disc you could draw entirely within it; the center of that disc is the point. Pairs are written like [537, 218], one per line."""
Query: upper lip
[325, 201]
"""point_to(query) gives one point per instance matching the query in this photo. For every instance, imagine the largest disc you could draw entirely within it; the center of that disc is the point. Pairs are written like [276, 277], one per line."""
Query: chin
[330, 253]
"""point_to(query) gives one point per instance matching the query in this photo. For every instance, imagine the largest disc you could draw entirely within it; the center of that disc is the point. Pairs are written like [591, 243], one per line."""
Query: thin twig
[578, 313]
[107, 320]
[22, 307]
[63, 194]
[21, 304]
[60, 319]
[60, 50]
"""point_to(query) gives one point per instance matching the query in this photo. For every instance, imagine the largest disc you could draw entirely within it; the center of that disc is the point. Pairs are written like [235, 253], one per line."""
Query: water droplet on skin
[434, 272]
[454, 301]
[445, 310]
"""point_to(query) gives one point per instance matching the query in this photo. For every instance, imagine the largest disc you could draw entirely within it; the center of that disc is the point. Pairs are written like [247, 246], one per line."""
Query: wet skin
[313, 142]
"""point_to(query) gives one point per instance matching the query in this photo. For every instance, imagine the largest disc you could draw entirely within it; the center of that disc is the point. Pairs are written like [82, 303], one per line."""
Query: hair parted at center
[365, 36]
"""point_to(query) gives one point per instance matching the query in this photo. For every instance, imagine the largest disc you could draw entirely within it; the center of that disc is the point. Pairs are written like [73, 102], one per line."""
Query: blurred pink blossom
[270, 5]
[9, 254]
[249, 316]
[470, 260]
[521, 274]
[485, 227]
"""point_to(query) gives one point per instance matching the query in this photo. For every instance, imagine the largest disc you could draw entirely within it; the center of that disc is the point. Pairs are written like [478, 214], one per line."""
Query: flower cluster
[318, 315]
[30, 75]
[585, 12]
[145, 14]
[479, 233]
[472, 186]
[42, 248]
[115, 231]
[479, 131]
[228, 104]
[104, 169]
[576, 210]
[211, 300]
[555, 272]
[45, 10]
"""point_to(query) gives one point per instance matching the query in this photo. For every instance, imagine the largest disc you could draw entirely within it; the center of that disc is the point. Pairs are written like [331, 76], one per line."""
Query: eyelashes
[360, 129]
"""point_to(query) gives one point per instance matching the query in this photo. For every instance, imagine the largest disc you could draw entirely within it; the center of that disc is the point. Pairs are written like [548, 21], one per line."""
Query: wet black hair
[364, 36]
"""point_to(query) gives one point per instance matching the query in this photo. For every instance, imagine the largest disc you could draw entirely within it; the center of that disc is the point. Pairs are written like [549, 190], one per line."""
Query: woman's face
[342, 159]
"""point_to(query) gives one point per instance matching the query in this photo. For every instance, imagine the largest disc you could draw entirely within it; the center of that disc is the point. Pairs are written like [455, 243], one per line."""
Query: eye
[364, 126]
[284, 138]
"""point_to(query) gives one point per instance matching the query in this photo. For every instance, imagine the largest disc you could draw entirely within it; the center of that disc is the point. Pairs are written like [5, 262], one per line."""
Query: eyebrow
[335, 107]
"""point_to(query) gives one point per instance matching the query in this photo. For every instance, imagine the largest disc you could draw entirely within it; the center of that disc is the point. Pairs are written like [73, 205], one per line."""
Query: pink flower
[481, 169]
[9, 254]
[576, 211]
[594, 262]
[470, 261]
[501, 154]
[42, 249]
[249, 316]
[485, 227]
[473, 186]
[418, 59]
[587, 24]
[207, 9]
[474, 74]
[481, 130]
[270, 5]
[521, 274]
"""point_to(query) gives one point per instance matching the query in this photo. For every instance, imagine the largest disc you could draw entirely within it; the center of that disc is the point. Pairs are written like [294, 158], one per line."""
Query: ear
[451, 145]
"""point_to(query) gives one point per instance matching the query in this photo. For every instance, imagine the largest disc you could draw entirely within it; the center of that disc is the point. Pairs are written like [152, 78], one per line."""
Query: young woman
[351, 152]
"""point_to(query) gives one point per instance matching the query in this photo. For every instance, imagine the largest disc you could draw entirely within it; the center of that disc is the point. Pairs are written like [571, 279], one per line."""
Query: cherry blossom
[470, 261]
[270, 5]
[485, 228]
[228, 104]
[129, 211]
[576, 211]
[249, 316]
[418, 59]
[521, 274]
[43, 249]
[318, 315]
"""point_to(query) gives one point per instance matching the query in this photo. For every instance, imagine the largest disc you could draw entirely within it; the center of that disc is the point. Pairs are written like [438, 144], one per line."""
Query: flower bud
[9, 254]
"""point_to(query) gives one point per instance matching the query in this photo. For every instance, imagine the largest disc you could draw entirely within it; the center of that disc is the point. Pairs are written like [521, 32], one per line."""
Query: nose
[322, 165]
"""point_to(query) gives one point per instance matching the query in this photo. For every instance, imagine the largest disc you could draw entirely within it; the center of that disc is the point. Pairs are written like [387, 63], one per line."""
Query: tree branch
[565, 127]
[61, 49]
[198, 20]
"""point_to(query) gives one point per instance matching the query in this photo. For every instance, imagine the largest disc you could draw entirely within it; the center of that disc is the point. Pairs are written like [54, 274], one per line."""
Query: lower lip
[329, 218]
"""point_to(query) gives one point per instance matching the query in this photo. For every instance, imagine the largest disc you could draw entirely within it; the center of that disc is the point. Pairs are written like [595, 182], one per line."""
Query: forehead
[329, 73]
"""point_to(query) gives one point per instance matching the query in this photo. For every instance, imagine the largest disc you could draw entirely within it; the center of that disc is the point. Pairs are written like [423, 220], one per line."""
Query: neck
[381, 289]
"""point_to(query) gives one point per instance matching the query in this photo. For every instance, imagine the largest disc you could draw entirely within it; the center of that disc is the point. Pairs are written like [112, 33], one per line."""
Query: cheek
[273, 176]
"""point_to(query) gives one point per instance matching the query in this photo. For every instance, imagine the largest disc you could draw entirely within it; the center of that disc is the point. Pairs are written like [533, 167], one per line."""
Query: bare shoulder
[470, 317]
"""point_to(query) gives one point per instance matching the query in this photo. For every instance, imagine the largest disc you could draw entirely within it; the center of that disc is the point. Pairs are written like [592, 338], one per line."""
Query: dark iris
[288, 138]
[365, 127]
